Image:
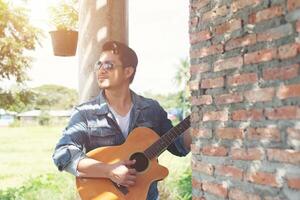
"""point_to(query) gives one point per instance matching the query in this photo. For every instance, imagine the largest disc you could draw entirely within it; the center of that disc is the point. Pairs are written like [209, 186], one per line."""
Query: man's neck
[119, 100]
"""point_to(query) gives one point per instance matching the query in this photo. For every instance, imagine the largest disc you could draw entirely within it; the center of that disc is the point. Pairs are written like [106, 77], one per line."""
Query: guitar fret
[160, 145]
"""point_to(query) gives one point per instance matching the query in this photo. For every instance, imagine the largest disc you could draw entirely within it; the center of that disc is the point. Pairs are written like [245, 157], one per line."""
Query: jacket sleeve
[177, 147]
[70, 148]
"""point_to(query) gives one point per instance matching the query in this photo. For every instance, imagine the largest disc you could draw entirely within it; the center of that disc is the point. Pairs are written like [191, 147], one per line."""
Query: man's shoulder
[148, 101]
[90, 104]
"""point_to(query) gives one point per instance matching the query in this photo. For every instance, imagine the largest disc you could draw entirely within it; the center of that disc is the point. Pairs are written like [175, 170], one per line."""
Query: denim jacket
[92, 125]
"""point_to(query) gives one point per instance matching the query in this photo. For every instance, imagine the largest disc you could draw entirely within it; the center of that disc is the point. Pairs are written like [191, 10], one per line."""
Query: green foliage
[167, 101]
[48, 186]
[181, 79]
[17, 36]
[185, 185]
[45, 97]
[55, 97]
[65, 15]
[44, 118]
[16, 99]
[179, 187]
[180, 99]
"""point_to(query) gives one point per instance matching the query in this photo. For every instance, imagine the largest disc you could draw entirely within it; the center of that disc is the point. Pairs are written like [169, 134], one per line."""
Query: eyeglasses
[107, 65]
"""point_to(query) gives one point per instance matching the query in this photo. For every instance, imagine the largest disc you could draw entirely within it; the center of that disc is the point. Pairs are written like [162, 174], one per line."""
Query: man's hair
[127, 55]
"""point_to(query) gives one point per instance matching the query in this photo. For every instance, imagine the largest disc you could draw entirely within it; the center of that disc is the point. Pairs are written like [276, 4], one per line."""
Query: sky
[158, 32]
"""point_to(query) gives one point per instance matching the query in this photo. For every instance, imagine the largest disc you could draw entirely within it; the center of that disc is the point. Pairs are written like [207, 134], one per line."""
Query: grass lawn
[26, 153]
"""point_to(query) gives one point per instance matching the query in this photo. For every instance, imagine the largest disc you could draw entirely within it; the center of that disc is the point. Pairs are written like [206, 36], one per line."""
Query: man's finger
[132, 178]
[132, 171]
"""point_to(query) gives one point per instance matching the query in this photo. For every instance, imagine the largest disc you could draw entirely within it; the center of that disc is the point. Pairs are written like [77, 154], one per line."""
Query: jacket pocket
[101, 134]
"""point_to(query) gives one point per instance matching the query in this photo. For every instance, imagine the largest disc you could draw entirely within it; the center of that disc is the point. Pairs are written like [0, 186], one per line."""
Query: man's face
[110, 73]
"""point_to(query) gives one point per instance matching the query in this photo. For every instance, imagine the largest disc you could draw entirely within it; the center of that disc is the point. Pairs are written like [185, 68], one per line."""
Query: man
[109, 118]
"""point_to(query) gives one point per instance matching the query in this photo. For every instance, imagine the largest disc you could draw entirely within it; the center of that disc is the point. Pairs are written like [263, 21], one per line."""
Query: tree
[17, 37]
[181, 80]
[54, 97]
[17, 99]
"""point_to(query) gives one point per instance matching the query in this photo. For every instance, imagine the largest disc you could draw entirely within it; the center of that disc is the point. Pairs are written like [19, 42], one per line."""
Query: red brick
[293, 133]
[214, 13]
[228, 98]
[194, 85]
[250, 154]
[229, 133]
[288, 51]
[241, 79]
[240, 4]
[195, 117]
[294, 182]
[215, 116]
[201, 133]
[214, 151]
[266, 14]
[206, 51]
[228, 27]
[195, 5]
[275, 33]
[202, 100]
[212, 83]
[265, 94]
[231, 171]
[270, 133]
[298, 26]
[194, 21]
[285, 73]
[272, 198]
[263, 178]
[203, 167]
[216, 189]
[285, 112]
[200, 68]
[196, 184]
[287, 91]
[260, 56]
[195, 149]
[241, 42]
[282, 155]
[199, 36]
[229, 63]
[293, 4]
[236, 194]
[241, 115]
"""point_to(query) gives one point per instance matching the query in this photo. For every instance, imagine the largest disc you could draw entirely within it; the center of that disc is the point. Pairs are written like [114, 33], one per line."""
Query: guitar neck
[161, 145]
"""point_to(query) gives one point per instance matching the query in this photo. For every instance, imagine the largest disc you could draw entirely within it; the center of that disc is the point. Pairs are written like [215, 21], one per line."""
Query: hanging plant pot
[64, 42]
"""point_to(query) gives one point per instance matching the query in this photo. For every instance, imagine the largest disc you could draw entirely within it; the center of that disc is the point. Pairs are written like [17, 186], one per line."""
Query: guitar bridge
[122, 188]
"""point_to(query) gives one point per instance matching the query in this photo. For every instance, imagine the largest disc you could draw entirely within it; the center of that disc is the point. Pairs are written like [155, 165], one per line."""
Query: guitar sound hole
[141, 161]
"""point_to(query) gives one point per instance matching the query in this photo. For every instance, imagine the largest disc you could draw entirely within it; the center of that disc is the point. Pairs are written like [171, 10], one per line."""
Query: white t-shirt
[123, 122]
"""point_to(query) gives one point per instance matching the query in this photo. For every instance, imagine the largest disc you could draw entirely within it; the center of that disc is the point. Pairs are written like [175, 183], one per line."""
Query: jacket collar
[138, 103]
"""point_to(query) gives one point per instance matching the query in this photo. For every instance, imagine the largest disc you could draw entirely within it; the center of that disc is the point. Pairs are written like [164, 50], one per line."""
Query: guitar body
[148, 170]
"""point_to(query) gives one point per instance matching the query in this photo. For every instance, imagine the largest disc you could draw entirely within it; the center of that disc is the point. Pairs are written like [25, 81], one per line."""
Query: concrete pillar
[99, 21]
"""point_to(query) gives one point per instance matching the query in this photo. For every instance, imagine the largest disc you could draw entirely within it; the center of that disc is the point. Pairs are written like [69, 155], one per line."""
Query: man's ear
[129, 71]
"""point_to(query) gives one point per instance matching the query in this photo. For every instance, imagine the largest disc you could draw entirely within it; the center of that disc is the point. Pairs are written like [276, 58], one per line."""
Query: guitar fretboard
[161, 145]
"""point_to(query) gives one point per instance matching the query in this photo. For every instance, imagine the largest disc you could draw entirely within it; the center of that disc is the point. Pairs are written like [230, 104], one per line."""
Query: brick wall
[245, 83]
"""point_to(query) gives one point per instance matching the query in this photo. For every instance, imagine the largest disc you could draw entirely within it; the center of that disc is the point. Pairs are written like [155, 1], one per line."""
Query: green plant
[64, 16]
[44, 118]
[47, 187]
[185, 185]
[17, 38]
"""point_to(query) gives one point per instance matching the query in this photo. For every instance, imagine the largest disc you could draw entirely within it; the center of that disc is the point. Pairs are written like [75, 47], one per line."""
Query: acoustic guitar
[142, 145]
